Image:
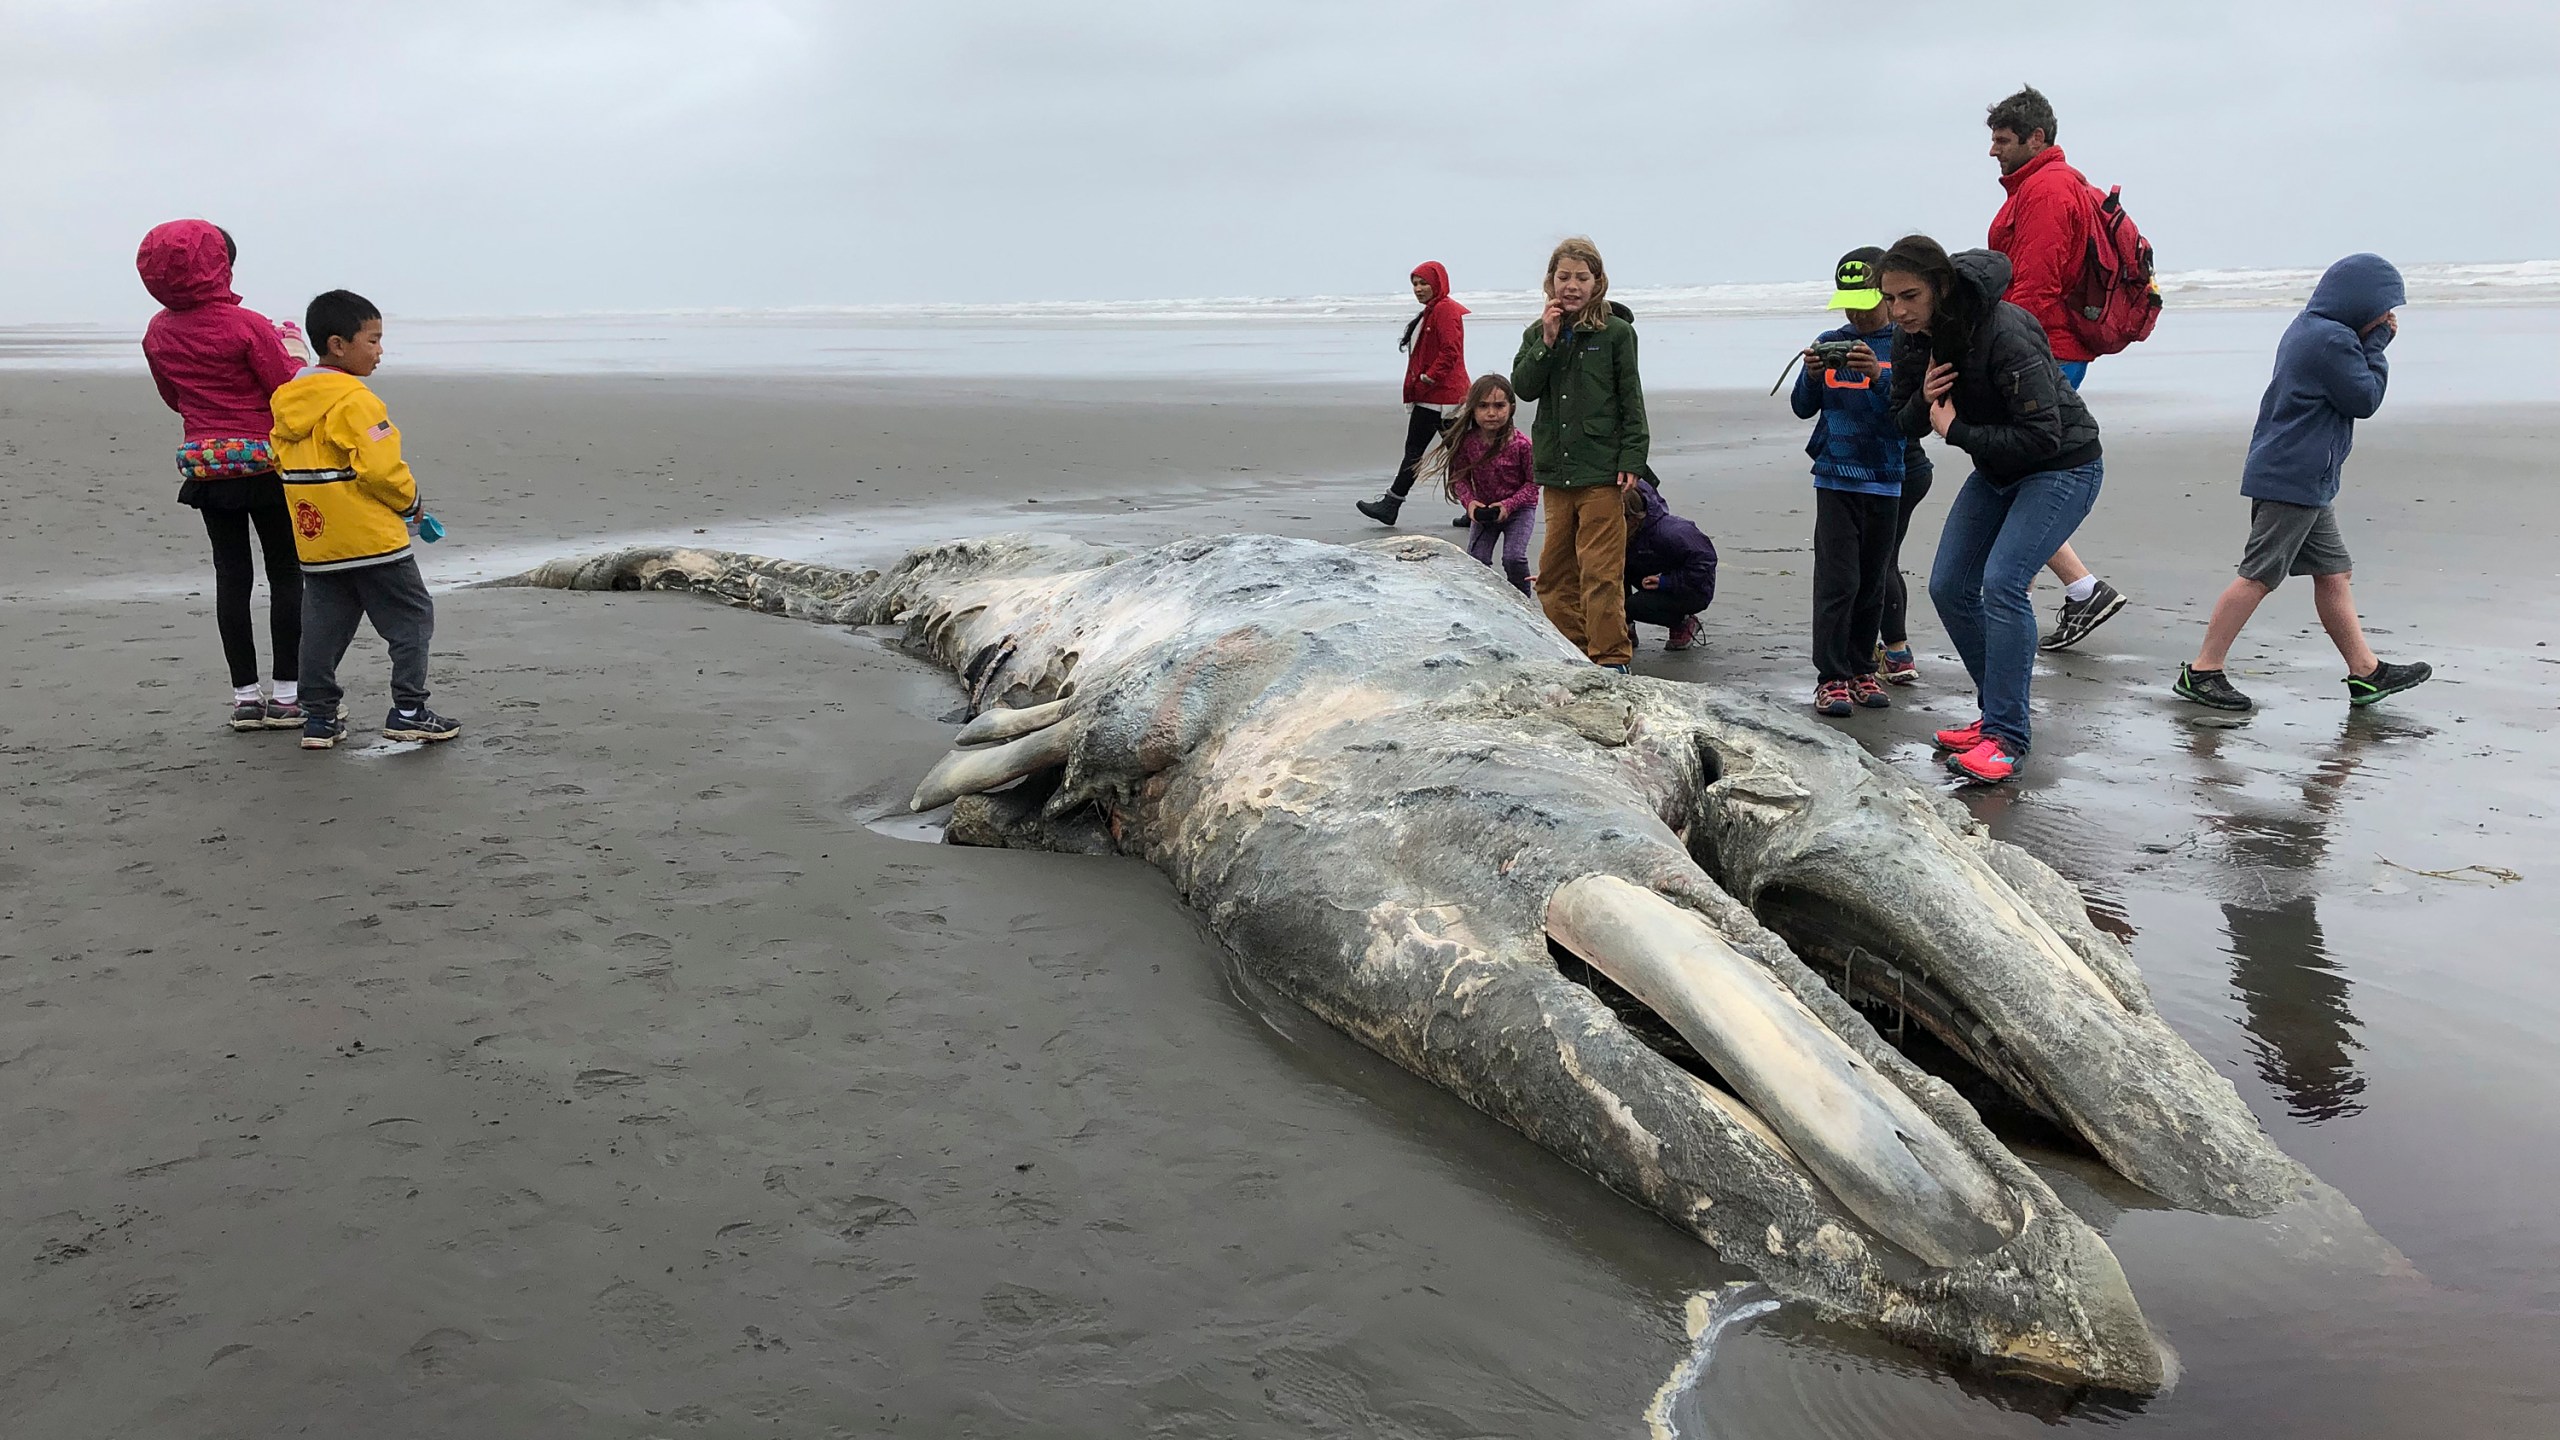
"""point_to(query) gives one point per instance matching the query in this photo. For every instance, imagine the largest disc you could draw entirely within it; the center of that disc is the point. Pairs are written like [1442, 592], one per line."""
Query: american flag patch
[381, 431]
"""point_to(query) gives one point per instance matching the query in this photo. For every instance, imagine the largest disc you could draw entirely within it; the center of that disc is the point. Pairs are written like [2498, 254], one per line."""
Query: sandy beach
[608, 1073]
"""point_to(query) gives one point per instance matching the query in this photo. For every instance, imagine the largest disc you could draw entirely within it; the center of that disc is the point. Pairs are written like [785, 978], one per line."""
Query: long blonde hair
[1443, 459]
[1594, 314]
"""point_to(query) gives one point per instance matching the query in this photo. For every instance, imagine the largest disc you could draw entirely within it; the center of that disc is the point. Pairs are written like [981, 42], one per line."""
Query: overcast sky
[466, 157]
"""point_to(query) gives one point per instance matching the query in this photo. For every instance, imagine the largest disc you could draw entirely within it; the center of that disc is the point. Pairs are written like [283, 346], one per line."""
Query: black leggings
[1420, 429]
[1897, 596]
[232, 579]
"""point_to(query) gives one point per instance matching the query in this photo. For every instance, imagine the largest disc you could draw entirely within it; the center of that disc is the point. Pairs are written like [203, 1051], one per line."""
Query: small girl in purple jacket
[1490, 474]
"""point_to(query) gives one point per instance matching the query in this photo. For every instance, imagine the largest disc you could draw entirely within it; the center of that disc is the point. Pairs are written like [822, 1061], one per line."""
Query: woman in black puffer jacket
[1978, 372]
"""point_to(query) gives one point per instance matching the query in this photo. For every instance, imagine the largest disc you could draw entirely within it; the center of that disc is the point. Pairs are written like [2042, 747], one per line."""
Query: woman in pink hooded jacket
[216, 363]
[1435, 377]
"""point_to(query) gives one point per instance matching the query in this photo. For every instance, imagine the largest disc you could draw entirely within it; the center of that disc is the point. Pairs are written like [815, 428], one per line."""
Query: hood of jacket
[1985, 276]
[2355, 291]
[1438, 275]
[1654, 510]
[184, 264]
[303, 402]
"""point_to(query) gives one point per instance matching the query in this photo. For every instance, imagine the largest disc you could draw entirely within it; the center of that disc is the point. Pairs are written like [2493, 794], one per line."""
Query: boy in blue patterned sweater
[1859, 458]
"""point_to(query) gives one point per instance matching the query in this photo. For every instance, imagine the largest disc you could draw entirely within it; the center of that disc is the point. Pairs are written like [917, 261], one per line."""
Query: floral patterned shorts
[225, 459]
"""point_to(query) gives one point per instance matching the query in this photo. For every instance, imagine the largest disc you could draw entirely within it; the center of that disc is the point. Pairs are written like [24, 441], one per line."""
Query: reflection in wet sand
[2296, 997]
[2303, 1032]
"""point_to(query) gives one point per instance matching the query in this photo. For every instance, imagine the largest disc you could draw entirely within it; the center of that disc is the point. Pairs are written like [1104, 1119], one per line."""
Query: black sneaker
[2387, 679]
[1463, 522]
[419, 724]
[249, 715]
[2079, 617]
[284, 715]
[1383, 509]
[319, 732]
[2209, 687]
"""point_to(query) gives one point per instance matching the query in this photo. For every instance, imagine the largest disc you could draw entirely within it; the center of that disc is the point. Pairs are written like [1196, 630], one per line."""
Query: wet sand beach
[608, 1073]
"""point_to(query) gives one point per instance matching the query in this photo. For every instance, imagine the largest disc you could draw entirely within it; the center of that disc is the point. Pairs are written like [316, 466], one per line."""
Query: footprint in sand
[438, 1354]
[591, 1083]
[635, 1312]
[847, 1216]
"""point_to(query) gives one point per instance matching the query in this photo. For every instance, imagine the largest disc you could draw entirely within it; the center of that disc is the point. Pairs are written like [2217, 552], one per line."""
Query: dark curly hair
[2023, 114]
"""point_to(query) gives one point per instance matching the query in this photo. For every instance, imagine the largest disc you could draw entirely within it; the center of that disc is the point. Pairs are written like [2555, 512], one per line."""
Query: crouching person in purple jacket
[1671, 567]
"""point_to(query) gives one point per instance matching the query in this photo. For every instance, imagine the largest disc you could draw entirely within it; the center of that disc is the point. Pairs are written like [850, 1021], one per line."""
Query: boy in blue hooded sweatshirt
[2330, 373]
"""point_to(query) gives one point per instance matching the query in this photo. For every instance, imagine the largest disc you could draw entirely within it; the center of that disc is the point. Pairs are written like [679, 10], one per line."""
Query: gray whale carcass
[1399, 797]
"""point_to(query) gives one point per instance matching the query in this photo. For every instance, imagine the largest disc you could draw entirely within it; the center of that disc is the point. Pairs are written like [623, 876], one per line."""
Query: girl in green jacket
[1578, 361]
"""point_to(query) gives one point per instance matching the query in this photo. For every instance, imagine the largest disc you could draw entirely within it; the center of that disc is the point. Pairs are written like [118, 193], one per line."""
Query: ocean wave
[2523, 282]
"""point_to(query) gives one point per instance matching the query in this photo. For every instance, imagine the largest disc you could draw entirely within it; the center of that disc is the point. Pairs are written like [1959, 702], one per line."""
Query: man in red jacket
[2043, 228]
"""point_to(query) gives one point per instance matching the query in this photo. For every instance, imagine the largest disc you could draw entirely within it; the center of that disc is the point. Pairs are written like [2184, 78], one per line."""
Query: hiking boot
[1683, 635]
[1383, 509]
[1988, 763]
[284, 715]
[1870, 694]
[2211, 687]
[249, 715]
[2079, 617]
[419, 724]
[1964, 739]
[319, 732]
[2387, 679]
[1833, 697]
[1897, 666]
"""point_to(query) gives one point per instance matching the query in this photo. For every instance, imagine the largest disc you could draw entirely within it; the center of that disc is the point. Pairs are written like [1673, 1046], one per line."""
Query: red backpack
[2117, 299]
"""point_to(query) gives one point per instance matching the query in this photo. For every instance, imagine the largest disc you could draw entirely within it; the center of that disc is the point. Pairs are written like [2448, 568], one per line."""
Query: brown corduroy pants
[1582, 571]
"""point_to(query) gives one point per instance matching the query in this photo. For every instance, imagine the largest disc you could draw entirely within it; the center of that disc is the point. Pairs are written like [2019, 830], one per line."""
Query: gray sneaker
[2387, 679]
[2209, 687]
[2079, 617]
[419, 724]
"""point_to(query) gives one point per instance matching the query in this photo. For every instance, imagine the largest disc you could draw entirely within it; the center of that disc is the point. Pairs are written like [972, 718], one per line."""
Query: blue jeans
[2074, 371]
[1996, 539]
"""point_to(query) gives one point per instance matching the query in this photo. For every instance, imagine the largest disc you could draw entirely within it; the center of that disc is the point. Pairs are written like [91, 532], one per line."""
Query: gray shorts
[2286, 539]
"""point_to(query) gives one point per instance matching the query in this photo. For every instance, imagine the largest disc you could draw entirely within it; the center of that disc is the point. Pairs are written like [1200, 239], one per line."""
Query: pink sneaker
[1683, 635]
[1832, 697]
[1988, 763]
[1964, 739]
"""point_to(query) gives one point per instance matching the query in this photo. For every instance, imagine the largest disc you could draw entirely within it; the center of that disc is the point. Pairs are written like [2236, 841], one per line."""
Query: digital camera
[1831, 354]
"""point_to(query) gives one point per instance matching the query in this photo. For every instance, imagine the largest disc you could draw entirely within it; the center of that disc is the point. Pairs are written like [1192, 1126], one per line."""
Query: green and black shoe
[2211, 688]
[2387, 679]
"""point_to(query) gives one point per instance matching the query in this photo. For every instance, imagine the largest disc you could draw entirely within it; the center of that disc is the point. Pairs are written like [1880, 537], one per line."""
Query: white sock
[288, 692]
[408, 714]
[244, 694]
[2080, 589]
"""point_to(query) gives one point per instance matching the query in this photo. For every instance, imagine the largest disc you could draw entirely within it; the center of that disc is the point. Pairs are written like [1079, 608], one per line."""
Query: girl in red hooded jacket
[216, 363]
[1435, 376]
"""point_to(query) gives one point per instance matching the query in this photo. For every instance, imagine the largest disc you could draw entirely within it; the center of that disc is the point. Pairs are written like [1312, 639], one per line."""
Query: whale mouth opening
[1802, 1085]
[1640, 1019]
[1915, 1015]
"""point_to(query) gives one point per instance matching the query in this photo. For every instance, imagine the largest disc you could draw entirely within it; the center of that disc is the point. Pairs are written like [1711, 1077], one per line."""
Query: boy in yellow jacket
[354, 506]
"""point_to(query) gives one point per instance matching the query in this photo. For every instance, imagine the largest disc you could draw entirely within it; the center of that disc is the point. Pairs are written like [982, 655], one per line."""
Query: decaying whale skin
[1397, 794]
